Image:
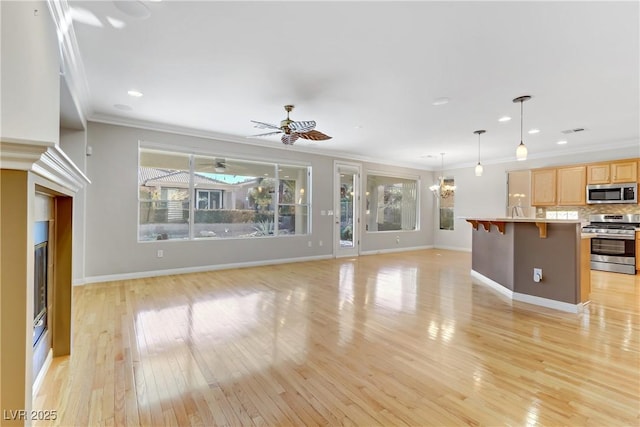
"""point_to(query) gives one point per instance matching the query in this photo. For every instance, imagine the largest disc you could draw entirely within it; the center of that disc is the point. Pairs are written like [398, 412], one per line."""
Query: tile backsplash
[585, 211]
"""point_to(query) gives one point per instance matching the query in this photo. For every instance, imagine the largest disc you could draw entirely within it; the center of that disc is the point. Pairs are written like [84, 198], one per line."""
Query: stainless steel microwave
[612, 193]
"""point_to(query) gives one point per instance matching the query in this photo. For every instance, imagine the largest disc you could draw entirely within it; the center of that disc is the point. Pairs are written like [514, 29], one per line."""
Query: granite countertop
[539, 220]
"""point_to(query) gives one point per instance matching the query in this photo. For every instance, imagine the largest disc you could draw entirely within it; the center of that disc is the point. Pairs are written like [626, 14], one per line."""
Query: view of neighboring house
[224, 205]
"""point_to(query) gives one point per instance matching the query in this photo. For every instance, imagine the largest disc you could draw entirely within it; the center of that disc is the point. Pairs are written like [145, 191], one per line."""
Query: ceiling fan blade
[264, 134]
[314, 135]
[289, 139]
[301, 127]
[262, 125]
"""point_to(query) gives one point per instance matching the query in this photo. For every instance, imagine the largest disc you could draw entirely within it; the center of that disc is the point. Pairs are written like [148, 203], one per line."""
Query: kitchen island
[505, 252]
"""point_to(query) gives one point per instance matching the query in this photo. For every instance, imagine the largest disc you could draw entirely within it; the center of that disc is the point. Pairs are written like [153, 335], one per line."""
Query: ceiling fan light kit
[291, 130]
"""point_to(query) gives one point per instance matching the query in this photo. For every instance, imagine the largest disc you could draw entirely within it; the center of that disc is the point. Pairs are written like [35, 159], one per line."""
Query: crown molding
[71, 65]
[43, 158]
[201, 133]
[592, 148]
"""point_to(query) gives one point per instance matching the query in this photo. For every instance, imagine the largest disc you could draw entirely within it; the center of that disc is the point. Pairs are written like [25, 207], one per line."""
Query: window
[232, 198]
[392, 203]
[209, 199]
[163, 182]
[447, 202]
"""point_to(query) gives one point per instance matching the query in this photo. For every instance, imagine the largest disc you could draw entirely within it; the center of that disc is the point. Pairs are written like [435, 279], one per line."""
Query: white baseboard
[198, 269]
[43, 371]
[529, 299]
[453, 248]
[394, 250]
[549, 303]
[492, 284]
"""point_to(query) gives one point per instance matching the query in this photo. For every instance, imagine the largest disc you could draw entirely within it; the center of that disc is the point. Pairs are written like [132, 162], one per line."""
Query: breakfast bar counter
[538, 261]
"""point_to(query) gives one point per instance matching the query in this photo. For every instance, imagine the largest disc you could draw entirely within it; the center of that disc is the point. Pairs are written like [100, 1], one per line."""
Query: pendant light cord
[521, 106]
[478, 148]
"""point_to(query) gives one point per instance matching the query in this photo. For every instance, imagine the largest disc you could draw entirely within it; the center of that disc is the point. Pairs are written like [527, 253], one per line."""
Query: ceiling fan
[292, 130]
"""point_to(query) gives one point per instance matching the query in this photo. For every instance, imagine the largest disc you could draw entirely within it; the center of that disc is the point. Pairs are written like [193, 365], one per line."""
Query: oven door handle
[614, 237]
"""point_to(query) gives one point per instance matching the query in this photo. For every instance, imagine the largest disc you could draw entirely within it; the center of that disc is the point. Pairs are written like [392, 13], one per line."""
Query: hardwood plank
[394, 339]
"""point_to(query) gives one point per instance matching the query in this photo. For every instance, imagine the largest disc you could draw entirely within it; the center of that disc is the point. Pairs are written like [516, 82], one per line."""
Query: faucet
[516, 211]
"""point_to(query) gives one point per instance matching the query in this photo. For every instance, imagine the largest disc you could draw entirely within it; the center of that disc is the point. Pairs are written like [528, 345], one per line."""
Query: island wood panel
[393, 339]
[637, 250]
[585, 270]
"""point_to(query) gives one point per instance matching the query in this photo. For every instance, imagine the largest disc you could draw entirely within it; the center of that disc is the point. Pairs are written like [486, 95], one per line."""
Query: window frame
[193, 190]
[387, 174]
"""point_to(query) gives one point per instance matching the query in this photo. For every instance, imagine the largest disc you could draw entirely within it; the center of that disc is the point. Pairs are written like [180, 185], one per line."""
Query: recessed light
[134, 93]
[357, 127]
[504, 119]
[532, 131]
[562, 142]
[123, 107]
[440, 101]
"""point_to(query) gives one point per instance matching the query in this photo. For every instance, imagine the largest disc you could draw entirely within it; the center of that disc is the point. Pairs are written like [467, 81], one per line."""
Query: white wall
[30, 71]
[74, 144]
[486, 196]
[112, 248]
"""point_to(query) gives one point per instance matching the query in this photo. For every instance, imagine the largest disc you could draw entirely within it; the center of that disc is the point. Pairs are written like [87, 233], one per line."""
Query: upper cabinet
[572, 184]
[613, 172]
[622, 172]
[543, 187]
[567, 185]
[599, 173]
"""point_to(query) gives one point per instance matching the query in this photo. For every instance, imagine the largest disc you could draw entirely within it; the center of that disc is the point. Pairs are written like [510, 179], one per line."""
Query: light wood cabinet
[624, 172]
[612, 172]
[638, 250]
[599, 173]
[572, 186]
[543, 187]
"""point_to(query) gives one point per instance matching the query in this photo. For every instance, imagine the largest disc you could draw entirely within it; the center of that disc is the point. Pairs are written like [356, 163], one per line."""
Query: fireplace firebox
[40, 281]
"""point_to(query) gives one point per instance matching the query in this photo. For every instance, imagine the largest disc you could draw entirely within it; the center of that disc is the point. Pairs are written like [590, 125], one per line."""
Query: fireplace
[40, 281]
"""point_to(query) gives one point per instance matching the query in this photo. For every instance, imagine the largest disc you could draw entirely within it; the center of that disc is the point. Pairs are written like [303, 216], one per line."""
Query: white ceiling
[368, 73]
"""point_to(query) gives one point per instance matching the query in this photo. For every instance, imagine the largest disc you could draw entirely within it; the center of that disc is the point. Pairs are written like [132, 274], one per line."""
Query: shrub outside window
[391, 203]
[232, 198]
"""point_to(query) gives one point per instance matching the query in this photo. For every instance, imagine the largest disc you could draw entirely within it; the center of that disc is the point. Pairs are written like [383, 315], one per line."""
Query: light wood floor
[398, 339]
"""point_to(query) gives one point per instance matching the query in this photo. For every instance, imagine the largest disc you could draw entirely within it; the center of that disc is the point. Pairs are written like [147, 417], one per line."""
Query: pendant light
[479, 167]
[521, 151]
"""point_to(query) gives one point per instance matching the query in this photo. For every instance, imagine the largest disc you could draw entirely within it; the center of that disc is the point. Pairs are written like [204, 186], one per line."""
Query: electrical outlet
[309, 243]
[160, 253]
[537, 275]
[397, 240]
[320, 243]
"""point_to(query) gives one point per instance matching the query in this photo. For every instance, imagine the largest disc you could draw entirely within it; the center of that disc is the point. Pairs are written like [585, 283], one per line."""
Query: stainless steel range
[613, 246]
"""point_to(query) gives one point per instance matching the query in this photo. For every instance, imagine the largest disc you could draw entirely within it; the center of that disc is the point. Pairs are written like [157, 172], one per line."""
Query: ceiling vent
[575, 130]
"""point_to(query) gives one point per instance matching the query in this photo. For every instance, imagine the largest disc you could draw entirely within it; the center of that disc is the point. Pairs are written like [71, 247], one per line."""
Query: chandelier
[441, 188]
